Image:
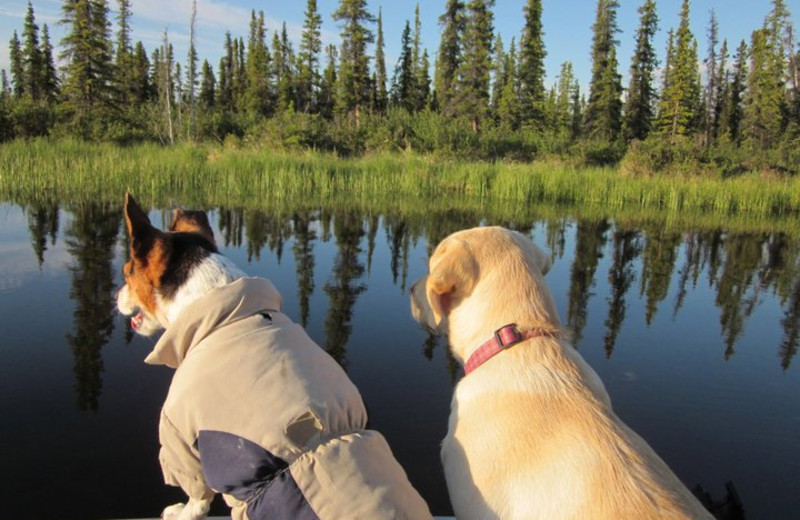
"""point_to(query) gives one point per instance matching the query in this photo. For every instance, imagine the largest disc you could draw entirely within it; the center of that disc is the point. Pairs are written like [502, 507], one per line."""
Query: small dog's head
[160, 263]
[486, 276]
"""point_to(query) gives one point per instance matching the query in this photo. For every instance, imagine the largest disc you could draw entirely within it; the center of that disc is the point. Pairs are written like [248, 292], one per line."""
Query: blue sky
[567, 24]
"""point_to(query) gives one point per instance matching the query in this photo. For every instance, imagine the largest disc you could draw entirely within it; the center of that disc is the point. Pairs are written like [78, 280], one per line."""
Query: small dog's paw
[172, 512]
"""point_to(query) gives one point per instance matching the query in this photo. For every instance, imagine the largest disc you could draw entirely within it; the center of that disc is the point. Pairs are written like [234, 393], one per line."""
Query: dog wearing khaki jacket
[256, 410]
[532, 434]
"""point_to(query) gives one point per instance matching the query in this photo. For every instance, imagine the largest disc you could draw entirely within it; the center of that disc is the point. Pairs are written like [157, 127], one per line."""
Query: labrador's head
[485, 277]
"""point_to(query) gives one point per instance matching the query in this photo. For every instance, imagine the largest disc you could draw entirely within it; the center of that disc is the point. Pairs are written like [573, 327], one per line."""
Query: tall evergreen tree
[603, 118]
[764, 97]
[207, 86]
[449, 56]
[474, 70]
[17, 68]
[258, 95]
[564, 97]
[733, 121]
[327, 88]
[420, 86]
[640, 104]
[191, 71]
[354, 78]
[225, 76]
[403, 80]
[722, 95]
[308, 59]
[679, 108]
[283, 59]
[123, 58]
[31, 56]
[381, 95]
[531, 67]
[509, 106]
[87, 55]
[49, 79]
[142, 87]
[711, 79]
[498, 78]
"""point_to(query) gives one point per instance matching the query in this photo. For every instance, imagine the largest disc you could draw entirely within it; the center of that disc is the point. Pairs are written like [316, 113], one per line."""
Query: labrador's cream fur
[532, 434]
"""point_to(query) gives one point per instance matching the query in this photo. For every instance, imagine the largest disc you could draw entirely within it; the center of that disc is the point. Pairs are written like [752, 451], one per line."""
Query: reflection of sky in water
[713, 413]
[19, 262]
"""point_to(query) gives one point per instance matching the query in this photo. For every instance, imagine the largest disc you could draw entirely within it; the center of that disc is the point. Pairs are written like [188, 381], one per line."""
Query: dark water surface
[693, 332]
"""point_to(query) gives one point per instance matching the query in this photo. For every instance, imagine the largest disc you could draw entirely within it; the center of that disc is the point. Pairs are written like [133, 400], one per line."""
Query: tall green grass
[209, 176]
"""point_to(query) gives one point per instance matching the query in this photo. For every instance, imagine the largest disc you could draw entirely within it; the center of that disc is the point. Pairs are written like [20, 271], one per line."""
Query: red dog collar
[504, 337]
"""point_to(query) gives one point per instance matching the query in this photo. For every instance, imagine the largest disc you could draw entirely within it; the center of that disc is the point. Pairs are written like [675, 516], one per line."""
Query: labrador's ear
[453, 274]
[142, 233]
[544, 262]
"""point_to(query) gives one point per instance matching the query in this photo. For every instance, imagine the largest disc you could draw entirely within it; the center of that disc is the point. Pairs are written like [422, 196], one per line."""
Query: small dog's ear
[452, 276]
[140, 230]
[190, 221]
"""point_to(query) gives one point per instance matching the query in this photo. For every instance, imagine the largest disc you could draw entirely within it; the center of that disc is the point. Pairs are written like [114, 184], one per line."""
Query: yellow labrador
[532, 434]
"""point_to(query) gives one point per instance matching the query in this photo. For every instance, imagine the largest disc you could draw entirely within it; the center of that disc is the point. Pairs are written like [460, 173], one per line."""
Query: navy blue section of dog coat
[239, 467]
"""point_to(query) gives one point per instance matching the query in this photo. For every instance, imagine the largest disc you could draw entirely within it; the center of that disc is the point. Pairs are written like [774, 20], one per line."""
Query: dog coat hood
[256, 410]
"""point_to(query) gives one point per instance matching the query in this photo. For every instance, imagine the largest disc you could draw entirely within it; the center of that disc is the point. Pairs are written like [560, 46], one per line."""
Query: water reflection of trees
[741, 269]
[42, 223]
[344, 286]
[90, 239]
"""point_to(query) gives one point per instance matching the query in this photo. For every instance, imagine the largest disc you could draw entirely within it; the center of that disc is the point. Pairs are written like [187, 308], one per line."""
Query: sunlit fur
[532, 434]
[194, 509]
[214, 271]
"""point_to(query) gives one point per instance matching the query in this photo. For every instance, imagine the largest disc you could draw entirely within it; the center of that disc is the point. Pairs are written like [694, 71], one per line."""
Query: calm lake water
[693, 332]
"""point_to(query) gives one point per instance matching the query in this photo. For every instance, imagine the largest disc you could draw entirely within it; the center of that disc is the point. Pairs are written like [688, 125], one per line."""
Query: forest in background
[734, 110]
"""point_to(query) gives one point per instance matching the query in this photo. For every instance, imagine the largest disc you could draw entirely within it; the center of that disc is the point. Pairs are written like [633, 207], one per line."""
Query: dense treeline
[484, 98]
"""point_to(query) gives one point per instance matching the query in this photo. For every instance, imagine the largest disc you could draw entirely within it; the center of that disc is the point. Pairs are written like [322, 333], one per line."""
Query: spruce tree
[381, 95]
[640, 104]
[225, 90]
[564, 95]
[531, 67]
[354, 78]
[283, 59]
[508, 106]
[738, 85]
[142, 87]
[449, 56]
[679, 109]
[603, 118]
[123, 59]
[420, 85]
[327, 88]
[49, 78]
[711, 81]
[308, 59]
[722, 95]
[88, 84]
[191, 71]
[764, 98]
[403, 79]
[498, 78]
[474, 71]
[17, 69]
[31, 56]
[258, 95]
[207, 87]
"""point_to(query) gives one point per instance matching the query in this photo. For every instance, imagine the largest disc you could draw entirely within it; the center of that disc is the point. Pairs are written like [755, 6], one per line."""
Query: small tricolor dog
[256, 410]
[532, 434]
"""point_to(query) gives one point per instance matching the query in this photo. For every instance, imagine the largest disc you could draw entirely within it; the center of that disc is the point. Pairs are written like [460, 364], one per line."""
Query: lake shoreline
[42, 171]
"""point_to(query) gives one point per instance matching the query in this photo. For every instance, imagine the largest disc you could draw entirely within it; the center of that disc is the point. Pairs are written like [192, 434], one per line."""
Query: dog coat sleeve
[180, 462]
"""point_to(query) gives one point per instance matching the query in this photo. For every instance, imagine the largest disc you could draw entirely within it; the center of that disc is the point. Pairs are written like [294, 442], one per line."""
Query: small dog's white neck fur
[214, 271]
